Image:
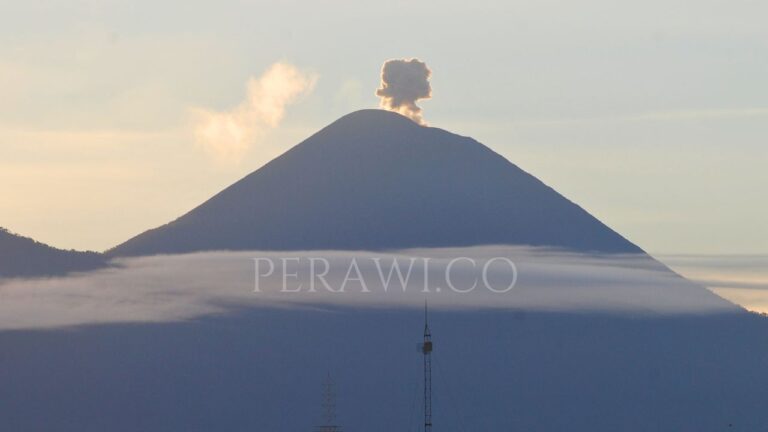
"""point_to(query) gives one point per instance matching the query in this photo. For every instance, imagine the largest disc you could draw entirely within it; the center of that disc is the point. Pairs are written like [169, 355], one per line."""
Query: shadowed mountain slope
[24, 257]
[375, 180]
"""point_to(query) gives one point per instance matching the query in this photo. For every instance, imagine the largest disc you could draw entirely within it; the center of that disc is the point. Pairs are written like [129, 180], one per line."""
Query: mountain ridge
[24, 257]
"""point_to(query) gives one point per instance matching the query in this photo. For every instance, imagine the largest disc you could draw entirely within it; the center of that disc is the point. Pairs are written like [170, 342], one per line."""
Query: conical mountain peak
[376, 180]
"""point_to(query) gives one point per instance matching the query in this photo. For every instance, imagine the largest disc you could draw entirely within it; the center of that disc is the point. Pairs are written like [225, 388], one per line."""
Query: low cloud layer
[229, 135]
[403, 83]
[739, 278]
[181, 287]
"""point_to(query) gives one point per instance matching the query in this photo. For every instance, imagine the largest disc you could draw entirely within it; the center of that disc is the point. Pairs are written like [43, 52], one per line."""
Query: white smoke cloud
[229, 135]
[403, 83]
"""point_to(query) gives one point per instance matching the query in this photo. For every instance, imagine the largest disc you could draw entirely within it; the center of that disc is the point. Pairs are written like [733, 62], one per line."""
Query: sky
[651, 115]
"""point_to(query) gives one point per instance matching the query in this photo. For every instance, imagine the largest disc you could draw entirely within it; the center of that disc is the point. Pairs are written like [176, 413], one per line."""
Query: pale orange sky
[653, 116]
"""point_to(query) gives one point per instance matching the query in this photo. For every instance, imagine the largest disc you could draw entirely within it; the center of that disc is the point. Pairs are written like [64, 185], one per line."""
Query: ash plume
[403, 83]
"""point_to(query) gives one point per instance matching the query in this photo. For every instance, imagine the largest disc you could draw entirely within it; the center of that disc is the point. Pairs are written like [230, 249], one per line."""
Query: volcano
[576, 352]
[376, 180]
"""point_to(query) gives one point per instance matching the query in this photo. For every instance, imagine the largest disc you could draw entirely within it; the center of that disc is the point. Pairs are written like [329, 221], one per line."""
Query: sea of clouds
[183, 287]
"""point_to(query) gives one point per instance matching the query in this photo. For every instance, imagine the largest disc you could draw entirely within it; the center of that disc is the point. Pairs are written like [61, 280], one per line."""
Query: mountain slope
[501, 370]
[376, 180]
[24, 257]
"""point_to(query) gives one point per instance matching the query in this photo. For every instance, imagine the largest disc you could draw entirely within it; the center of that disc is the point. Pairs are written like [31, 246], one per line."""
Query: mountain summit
[376, 180]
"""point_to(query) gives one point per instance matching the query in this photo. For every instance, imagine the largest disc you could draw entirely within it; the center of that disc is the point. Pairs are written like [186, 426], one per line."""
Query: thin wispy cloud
[654, 116]
[739, 278]
[229, 135]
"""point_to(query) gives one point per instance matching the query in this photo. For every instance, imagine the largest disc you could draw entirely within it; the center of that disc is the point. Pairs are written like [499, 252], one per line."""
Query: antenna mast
[329, 407]
[426, 349]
